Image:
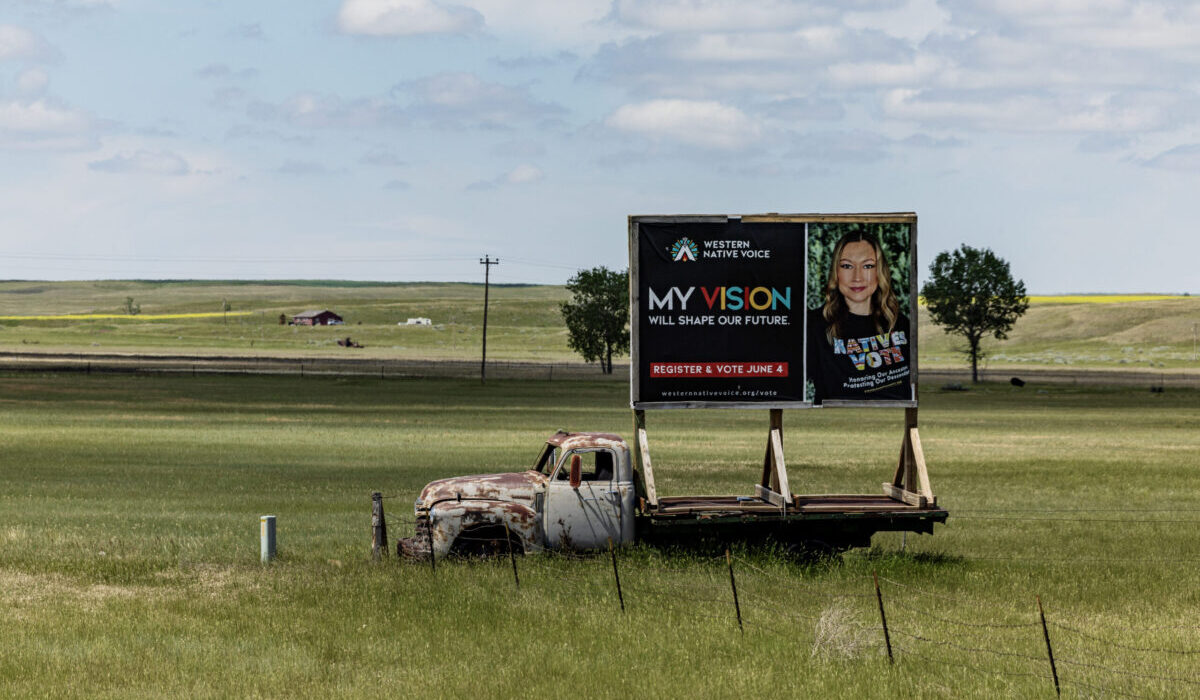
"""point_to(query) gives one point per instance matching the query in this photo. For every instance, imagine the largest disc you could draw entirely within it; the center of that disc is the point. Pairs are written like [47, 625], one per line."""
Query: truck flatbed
[801, 505]
[830, 522]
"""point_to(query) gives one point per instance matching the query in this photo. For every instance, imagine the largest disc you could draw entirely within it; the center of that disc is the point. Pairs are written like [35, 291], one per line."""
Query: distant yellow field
[1091, 298]
[1100, 298]
[127, 317]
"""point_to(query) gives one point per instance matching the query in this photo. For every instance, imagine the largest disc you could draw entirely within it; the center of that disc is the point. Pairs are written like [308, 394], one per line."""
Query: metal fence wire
[201, 365]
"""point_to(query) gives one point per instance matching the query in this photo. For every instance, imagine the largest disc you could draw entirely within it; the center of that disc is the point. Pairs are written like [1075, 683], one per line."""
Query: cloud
[578, 24]
[706, 124]
[43, 124]
[1185, 158]
[718, 64]
[73, 7]
[1044, 111]
[464, 98]
[1006, 66]
[20, 43]
[839, 147]
[316, 111]
[715, 15]
[397, 186]
[927, 141]
[532, 61]
[445, 100]
[523, 174]
[806, 108]
[406, 18]
[1155, 25]
[919, 70]
[247, 131]
[32, 81]
[143, 162]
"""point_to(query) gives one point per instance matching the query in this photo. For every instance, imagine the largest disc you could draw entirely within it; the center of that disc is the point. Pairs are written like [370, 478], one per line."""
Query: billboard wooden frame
[634, 221]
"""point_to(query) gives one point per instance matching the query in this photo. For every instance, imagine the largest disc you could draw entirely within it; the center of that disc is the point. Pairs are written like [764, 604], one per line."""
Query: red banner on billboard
[711, 370]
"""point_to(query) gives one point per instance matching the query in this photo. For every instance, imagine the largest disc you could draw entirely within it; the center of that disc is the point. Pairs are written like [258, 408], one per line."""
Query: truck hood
[508, 486]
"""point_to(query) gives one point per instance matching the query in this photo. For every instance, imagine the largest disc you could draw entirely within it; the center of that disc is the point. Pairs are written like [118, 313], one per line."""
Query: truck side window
[597, 465]
[604, 465]
[546, 460]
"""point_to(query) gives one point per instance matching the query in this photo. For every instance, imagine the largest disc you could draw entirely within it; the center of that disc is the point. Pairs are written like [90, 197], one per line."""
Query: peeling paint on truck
[471, 512]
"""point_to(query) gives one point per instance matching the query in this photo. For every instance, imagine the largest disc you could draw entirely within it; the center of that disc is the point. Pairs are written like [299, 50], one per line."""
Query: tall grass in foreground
[128, 547]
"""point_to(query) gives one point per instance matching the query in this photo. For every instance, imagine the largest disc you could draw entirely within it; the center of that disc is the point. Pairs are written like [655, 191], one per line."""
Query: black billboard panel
[718, 311]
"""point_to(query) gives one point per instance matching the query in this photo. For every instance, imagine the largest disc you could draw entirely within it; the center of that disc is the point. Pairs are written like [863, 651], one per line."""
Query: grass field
[1128, 332]
[523, 322]
[129, 547]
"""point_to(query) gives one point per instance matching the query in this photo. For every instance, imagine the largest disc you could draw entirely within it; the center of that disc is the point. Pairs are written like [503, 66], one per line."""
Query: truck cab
[578, 495]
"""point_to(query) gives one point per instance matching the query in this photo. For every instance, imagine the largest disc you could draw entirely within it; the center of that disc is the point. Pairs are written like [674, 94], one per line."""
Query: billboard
[772, 311]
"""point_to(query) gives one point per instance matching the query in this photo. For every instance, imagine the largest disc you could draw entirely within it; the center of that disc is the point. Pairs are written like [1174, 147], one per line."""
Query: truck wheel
[486, 541]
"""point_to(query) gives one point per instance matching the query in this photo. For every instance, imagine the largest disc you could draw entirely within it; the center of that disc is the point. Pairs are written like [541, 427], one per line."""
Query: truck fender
[452, 518]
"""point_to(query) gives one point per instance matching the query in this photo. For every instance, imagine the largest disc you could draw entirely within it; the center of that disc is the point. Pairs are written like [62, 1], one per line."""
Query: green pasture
[523, 321]
[1128, 333]
[129, 547]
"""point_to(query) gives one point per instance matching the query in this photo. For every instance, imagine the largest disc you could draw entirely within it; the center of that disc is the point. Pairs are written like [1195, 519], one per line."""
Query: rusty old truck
[586, 490]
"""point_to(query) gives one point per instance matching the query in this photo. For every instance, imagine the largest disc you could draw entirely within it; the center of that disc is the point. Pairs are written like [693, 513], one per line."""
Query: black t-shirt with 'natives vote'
[866, 364]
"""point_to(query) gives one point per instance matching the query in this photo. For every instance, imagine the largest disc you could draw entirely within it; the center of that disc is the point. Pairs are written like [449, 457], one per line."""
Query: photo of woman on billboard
[858, 339]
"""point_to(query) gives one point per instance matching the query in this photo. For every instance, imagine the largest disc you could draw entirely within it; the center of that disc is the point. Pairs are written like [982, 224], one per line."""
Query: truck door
[584, 517]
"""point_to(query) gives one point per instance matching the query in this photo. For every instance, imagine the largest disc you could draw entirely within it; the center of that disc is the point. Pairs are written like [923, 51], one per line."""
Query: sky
[403, 140]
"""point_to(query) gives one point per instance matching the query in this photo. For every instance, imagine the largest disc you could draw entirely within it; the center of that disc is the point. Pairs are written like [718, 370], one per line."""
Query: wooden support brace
[914, 442]
[911, 481]
[781, 475]
[900, 494]
[642, 455]
[774, 487]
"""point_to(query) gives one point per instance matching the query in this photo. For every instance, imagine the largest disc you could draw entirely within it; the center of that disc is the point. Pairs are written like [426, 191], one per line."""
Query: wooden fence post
[378, 527]
[616, 575]
[511, 556]
[429, 532]
[733, 584]
[1049, 650]
[887, 639]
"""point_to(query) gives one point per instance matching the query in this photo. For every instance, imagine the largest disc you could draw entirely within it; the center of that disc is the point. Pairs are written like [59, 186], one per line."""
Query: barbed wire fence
[377, 368]
[1024, 644]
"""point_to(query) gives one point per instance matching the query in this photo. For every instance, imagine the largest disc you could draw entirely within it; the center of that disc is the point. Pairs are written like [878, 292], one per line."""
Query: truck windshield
[546, 459]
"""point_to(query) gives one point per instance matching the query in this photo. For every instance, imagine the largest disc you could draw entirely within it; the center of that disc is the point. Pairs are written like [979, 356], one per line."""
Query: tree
[132, 308]
[971, 292]
[597, 315]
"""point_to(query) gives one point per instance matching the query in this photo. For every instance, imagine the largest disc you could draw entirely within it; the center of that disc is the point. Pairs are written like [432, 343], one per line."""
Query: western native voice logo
[685, 250]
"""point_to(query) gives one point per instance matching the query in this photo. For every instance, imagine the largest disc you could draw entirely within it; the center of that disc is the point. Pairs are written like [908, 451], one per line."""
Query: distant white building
[417, 322]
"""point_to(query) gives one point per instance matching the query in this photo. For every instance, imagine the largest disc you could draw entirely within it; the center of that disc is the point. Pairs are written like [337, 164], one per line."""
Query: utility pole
[487, 263]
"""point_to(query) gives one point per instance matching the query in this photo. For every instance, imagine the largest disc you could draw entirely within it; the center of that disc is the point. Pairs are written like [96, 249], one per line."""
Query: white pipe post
[266, 538]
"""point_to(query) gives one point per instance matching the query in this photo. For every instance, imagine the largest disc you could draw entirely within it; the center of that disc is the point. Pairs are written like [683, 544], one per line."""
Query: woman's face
[856, 276]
